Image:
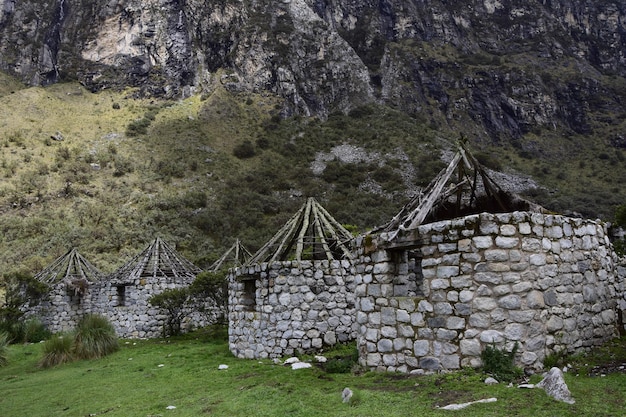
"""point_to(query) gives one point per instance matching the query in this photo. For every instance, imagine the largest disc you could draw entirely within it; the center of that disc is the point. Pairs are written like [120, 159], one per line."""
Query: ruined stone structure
[548, 283]
[296, 293]
[70, 279]
[464, 265]
[281, 308]
[77, 288]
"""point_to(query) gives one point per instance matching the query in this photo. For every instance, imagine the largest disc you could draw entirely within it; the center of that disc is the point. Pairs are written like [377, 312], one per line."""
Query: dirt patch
[608, 368]
[446, 397]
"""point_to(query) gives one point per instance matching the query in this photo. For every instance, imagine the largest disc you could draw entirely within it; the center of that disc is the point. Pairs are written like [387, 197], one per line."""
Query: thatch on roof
[235, 256]
[158, 260]
[312, 233]
[462, 188]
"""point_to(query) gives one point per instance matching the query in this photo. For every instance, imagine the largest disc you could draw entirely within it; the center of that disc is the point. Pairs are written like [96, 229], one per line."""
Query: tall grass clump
[94, 337]
[4, 350]
[35, 331]
[57, 350]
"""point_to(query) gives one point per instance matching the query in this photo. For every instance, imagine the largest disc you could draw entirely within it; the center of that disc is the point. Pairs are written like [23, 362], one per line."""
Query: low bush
[4, 350]
[35, 331]
[57, 350]
[94, 337]
[174, 303]
[500, 364]
[244, 150]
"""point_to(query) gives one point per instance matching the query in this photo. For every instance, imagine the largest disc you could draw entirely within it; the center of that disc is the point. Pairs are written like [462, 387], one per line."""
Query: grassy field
[146, 376]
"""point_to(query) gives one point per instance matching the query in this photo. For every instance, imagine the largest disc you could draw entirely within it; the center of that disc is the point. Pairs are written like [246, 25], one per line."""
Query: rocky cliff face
[508, 66]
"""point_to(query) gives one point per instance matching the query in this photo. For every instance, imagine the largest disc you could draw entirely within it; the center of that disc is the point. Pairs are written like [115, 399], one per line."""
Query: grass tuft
[4, 351]
[94, 338]
[56, 351]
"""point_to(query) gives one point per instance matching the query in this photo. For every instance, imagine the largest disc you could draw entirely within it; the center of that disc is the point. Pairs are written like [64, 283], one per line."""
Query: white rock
[170, 407]
[346, 395]
[320, 359]
[463, 405]
[222, 367]
[491, 381]
[554, 385]
[291, 360]
[528, 386]
[300, 365]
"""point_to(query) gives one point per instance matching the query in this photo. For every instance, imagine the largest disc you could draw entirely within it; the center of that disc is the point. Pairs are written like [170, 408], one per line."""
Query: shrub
[19, 288]
[173, 301]
[57, 350]
[4, 350]
[210, 289]
[500, 363]
[558, 359]
[35, 331]
[94, 337]
[244, 150]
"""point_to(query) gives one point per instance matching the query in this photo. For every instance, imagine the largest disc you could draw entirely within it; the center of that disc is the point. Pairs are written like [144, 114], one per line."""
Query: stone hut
[71, 279]
[123, 296]
[297, 292]
[465, 265]
[77, 288]
[462, 266]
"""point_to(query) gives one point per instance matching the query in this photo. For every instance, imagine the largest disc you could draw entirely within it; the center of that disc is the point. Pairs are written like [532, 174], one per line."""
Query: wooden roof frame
[310, 227]
[158, 260]
[70, 266]
[237, 255]
[459, 193]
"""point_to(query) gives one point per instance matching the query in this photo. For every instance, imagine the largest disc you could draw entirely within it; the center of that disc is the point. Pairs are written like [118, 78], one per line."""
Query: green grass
[146, 376]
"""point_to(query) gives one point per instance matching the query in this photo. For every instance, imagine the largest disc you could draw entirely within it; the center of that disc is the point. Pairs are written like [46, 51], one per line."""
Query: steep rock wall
[507, 66]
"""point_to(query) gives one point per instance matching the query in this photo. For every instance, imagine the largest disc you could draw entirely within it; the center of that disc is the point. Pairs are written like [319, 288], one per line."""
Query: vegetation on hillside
[107, 172]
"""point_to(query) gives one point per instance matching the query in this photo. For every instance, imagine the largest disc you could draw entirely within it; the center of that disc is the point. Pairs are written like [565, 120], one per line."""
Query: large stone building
[464, 265]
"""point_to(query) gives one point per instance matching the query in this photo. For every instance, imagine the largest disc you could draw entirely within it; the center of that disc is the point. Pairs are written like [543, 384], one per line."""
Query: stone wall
[61, 309]
[287, 307]
[545, 282]
[125, 305]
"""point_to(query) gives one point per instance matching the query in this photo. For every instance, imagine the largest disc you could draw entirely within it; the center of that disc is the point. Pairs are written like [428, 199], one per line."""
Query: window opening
[249, 295]
[120, 295]
[409, 278]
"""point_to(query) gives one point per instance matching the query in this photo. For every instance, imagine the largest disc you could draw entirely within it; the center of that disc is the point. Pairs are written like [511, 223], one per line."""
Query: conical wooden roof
[235, 256]
[462, 188]
[312, 233]
[158, 260]
[69, 267]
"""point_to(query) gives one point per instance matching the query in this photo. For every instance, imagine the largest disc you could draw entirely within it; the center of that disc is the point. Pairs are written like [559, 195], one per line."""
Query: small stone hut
[297, 292]
[77, 288]
[71, 279]
[123, 296]
[465, 265]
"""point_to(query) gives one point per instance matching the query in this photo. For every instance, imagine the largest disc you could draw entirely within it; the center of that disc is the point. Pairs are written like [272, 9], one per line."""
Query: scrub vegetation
[107, 172]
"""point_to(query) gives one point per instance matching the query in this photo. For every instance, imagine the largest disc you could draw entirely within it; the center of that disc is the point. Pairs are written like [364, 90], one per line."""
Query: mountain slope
[206, 121]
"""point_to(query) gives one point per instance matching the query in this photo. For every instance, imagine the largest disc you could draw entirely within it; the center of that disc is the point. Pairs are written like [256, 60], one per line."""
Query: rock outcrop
[510, 67]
